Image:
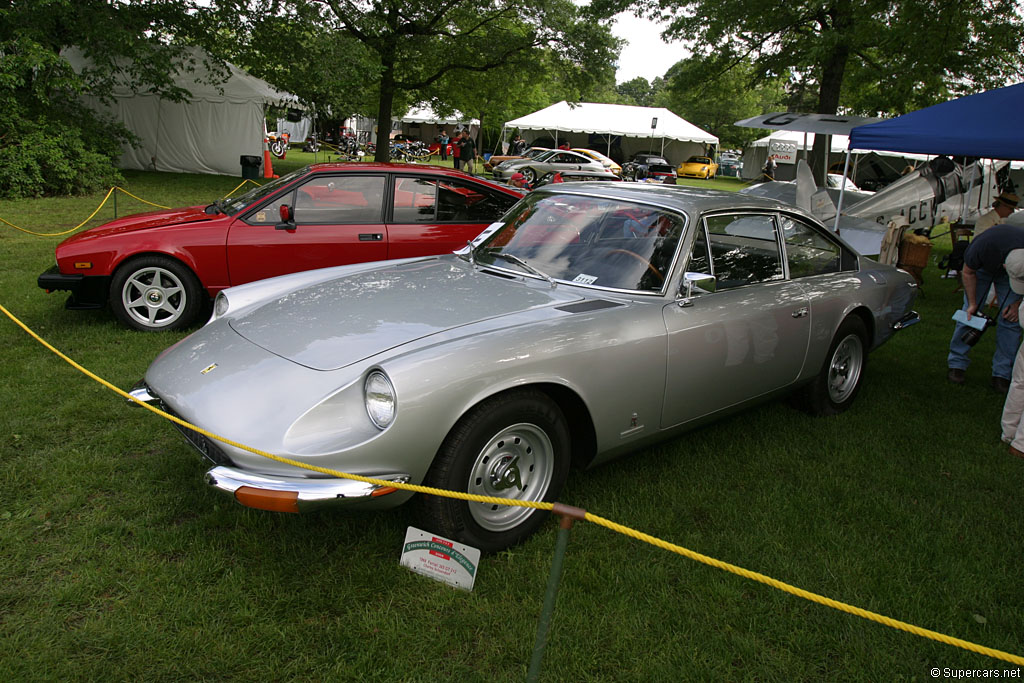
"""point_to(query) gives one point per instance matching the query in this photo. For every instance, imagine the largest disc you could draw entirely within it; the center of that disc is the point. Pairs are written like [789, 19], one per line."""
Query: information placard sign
[440, 559]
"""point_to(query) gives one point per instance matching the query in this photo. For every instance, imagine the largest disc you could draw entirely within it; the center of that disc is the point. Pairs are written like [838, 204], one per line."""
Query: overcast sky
[645, 53]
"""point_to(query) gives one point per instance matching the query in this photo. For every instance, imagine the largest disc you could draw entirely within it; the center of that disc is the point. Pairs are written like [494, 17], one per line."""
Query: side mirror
[696, 283]
[287, 218]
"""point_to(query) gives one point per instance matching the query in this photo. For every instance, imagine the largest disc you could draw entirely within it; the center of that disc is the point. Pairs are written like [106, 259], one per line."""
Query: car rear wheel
[839, 380]
[514, 446]
[156, 293]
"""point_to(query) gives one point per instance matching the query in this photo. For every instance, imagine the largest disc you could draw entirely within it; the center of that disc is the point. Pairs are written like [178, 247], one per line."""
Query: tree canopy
[420, 50]
[862, 56]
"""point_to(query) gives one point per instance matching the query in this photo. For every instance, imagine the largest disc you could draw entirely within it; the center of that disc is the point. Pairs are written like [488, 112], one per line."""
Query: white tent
[789, 145]
[208, 134]
[638, 127]
[423, 123]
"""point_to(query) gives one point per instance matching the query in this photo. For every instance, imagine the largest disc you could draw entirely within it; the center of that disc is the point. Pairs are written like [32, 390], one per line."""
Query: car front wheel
[156, 293]
[839, 379]
[514, 446]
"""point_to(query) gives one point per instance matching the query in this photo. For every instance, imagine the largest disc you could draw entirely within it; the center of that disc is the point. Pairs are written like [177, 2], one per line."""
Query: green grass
[117, 562]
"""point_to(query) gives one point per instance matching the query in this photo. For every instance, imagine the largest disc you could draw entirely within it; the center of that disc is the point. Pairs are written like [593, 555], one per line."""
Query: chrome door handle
[801, 312]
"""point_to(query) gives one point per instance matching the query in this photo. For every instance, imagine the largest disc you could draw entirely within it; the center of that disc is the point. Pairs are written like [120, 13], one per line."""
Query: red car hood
[151, 219]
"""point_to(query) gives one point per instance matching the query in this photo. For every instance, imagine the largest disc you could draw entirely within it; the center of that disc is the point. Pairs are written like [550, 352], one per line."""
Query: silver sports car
[554, 160]
[594, 319]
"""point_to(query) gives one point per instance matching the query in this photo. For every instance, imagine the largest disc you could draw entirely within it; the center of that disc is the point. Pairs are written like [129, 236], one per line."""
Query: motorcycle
[278, 144]
[312, 144]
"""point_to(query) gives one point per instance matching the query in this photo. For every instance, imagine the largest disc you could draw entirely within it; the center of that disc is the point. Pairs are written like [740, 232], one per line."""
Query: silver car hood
[343, 320]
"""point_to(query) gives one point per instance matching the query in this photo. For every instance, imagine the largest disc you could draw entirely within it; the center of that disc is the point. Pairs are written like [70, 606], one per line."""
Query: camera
[972, 334]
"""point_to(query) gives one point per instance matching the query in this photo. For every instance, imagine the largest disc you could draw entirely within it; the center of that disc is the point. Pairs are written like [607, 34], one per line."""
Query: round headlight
[220, 305]
[380, 399]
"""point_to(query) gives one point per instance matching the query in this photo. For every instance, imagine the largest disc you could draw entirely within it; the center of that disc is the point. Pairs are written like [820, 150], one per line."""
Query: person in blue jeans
[983, 268]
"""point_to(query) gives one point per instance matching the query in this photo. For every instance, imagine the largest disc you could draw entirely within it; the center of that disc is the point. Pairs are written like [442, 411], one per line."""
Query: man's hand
[1012, 311]
[970, 281]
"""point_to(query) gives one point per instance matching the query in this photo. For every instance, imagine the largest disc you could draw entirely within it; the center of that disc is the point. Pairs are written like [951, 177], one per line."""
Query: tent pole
[842, 190]
[965, 205]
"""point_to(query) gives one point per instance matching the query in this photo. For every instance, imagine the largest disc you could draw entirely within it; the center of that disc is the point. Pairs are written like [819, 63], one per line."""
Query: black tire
[277, 148]
[515, 445]
[155, 293]
[839, 379]
[530, 175]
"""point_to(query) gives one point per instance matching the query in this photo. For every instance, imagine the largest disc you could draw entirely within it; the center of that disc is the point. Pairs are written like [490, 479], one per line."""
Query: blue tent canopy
[986, 125]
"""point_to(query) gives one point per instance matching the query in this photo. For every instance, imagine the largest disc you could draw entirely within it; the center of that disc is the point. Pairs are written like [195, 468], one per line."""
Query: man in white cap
[1013, 409]
[1002, 207]
[983, 268]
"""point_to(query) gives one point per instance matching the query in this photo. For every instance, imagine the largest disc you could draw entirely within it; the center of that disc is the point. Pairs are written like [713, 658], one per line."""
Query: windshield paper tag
[488, 231]
[585, 279]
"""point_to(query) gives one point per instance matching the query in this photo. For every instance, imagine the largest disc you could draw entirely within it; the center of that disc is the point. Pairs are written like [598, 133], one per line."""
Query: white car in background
[597, 156]
[835, 182]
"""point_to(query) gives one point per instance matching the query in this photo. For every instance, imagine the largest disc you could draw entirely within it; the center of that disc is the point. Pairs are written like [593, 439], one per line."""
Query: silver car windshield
[588, 241]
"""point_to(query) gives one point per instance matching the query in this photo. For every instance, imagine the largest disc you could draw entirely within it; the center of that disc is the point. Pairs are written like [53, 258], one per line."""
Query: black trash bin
[250, 166]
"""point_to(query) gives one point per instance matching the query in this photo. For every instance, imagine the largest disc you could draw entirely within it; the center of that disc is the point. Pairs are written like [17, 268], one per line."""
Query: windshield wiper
[512, 258]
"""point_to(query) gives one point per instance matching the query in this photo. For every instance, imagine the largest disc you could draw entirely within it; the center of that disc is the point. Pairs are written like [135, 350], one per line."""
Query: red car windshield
[236, 204]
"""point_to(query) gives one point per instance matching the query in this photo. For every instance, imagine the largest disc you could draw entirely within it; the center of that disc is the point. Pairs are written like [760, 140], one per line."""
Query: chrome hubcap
[516, 463]
[845, 368]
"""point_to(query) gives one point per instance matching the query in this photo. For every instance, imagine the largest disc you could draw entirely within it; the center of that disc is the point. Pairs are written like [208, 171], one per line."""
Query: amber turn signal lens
[83, 265]
[382, 491]
[275, 501]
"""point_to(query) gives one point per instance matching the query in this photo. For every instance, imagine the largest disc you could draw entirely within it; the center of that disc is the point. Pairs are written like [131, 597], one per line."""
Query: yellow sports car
[698, 167]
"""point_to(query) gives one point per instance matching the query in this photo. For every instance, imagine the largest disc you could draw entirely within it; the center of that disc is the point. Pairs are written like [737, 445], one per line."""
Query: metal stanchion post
[568, 515]
[115, 203]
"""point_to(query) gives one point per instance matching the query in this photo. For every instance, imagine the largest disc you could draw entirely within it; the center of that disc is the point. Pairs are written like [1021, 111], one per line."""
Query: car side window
[326, 200]
[423, 200]
[744, 249]
[700, 261]
[808, 252]
[415, 200]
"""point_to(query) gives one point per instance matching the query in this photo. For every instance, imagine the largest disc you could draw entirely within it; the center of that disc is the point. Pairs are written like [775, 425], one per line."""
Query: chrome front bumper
[310, 494]
[271, 492]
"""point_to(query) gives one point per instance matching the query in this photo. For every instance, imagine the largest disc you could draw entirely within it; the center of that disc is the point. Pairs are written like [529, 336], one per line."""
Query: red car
[160, 270]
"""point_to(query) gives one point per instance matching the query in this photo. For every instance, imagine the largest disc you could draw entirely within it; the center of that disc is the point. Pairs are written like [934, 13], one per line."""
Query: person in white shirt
[1002, 207]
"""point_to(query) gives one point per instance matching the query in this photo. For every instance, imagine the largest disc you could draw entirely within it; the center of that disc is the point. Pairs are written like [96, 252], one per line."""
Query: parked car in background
[730, 166]
[593, 320]
[607, 162]
[698, 167]
[160, 270]
[645, 166]
[576, 177]
[551, 160]
[835, 182]
[531, 153]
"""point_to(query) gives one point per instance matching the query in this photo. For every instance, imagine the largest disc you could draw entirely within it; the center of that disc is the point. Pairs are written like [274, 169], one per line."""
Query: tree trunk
[384, 106]
[832, 71]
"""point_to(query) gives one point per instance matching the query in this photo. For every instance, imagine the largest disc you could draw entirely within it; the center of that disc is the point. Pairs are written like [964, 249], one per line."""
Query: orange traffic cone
[268, 167]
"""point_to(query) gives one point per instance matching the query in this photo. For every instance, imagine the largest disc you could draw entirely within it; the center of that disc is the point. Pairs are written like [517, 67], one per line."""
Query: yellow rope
[608, 524]
[91, 216]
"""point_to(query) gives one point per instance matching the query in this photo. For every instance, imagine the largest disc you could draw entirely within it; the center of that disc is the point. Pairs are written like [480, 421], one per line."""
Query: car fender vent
[587, 306]
[497, 274]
